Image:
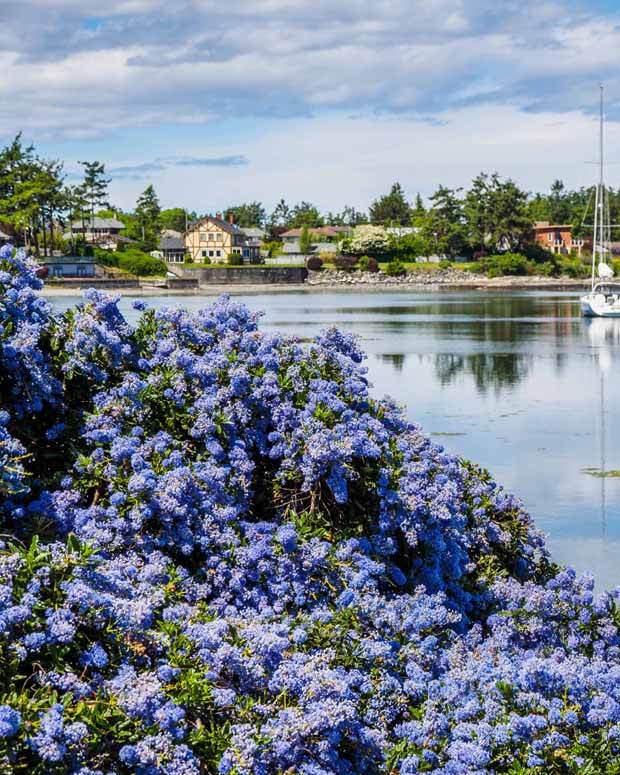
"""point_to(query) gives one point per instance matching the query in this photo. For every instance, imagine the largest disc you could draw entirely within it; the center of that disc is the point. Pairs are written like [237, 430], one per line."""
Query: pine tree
[95, 186]
[147, 213]
[305, 241]
[391, 209]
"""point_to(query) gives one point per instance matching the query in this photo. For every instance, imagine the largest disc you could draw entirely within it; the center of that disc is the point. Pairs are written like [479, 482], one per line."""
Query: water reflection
[516, 381]
[488, 370]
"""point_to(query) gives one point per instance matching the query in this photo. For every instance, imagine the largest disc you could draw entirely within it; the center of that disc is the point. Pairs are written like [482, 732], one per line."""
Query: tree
[280, 218]
[305, 241]
[305, 214]
[147, 216]
[559, 203]
[391, 208]
[175, 218]
[348, 217]
[31, 194]
[95, 185]
[497, 214]
[444, 227]
[418, 213]
[250, 214]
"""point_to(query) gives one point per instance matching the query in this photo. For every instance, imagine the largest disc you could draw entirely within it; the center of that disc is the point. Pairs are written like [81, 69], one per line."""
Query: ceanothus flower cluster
[222, 554]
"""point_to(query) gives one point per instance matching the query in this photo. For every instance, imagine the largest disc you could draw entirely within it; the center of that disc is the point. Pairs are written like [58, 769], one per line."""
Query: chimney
[218, 216]
[231, 218]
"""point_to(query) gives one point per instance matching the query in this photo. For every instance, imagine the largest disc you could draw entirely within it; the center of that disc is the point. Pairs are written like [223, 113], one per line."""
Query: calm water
[516, 381]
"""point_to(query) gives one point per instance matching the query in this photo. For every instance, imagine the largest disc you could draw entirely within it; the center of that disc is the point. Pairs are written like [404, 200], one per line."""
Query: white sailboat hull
[596, 305]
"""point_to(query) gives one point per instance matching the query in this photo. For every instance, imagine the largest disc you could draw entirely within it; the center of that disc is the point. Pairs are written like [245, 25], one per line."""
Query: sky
[217, 103]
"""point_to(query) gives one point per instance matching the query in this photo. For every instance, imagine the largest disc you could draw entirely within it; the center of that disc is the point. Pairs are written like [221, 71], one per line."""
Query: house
[558, 238]
[171, 249]
[292, 251]
[69, 266]
[216, 239]
[103, 232]
[327, 232]
[254, 233]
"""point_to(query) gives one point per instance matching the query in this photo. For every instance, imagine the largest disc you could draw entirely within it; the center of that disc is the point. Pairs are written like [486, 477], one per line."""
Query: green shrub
[395, 269]
[546, 269]
[575, 267]
[141, 264]
[507, 264]
[445, 264]
[368, 264]
[538, 254]
[235, 259]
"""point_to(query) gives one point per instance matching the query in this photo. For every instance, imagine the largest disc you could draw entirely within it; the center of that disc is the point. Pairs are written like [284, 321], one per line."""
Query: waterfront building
[558, 238]
[215, 238]
[103, 232]
[171, 249]
[325, 232]
[69, 266]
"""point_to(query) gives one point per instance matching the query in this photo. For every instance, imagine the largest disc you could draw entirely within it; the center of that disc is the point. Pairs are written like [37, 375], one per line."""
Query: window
[211, 253]
[246, 252]
[204, 253]
[203, 236]
[218, 236]
[218, 253]
[550, 237]
[211, 237]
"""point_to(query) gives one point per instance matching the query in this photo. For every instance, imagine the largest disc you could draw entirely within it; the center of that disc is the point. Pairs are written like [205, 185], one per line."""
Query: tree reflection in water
[489, 370]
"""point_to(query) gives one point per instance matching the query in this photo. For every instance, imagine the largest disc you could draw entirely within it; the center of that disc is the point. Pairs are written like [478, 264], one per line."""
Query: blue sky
[216, 103]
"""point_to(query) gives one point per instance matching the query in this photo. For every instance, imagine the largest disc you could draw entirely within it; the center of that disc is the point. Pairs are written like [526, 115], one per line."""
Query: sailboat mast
[601, 199]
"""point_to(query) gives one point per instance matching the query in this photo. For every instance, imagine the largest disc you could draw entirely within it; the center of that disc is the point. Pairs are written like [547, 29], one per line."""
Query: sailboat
[603, 301]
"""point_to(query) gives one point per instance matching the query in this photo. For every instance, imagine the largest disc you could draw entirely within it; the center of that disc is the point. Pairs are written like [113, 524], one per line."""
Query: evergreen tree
[418, 214]
[496, 214]
[95, 186]
[249, 214]
[280, 218]
[305, 241]
[391, 209]
[31, 194]
[444, 226]
[305, 214]
[147, 215]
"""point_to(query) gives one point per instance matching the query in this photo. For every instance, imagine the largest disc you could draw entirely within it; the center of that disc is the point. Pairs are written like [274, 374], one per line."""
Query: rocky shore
[440, 277]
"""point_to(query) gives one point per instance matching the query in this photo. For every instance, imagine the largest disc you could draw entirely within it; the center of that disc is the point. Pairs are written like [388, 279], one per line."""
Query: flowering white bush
[368, 240]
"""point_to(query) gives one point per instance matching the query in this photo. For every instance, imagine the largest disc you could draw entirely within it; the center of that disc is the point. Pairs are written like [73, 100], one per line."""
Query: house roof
[171, 243]
[231, 228]
[67, 260]
[4, 236]
[326, 231]
[253, 232]
[98, 223]
[545, 225]
[171, 233]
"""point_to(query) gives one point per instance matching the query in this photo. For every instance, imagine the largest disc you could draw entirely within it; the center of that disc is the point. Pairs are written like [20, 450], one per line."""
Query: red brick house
[558, 238]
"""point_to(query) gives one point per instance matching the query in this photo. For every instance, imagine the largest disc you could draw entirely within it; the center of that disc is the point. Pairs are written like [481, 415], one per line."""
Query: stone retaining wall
[255, 275]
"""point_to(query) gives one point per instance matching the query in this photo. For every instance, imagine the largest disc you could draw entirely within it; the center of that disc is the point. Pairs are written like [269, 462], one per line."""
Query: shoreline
[467, 284]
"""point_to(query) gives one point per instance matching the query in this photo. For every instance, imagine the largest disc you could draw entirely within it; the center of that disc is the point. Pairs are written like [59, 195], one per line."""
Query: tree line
[492, 214]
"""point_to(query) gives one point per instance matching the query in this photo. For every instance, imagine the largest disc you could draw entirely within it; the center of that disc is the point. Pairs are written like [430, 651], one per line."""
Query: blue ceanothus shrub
[220, 554]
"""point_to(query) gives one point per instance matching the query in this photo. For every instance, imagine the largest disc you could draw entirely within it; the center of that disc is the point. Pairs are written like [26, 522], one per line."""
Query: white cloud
[75, 68]
[335, 159]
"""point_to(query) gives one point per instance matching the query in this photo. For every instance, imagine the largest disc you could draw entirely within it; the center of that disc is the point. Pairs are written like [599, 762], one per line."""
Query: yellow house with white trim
[215, 239]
